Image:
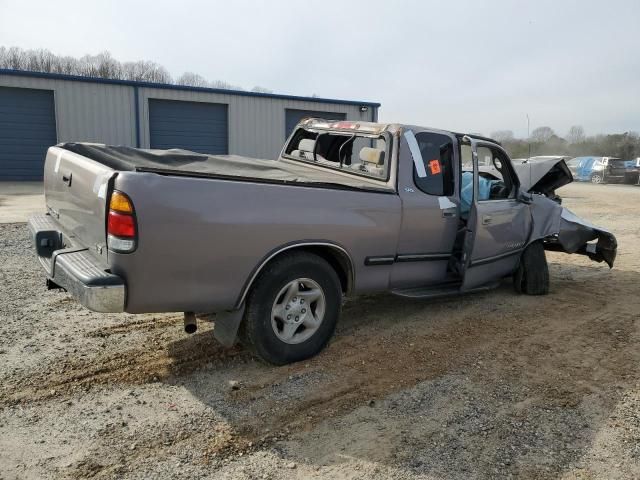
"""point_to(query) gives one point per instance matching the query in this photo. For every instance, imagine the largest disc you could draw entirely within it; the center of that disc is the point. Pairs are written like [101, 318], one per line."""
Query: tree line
[103, 65]
[544, 141]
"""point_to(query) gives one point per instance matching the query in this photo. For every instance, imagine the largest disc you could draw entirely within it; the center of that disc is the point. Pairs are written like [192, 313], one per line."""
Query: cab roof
[376, 127]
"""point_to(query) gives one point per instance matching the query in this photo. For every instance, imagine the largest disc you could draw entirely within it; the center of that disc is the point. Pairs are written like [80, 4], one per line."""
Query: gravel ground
[490, 385]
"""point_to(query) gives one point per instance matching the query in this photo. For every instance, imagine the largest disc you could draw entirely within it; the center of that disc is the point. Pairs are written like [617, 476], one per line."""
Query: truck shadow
[490, 384]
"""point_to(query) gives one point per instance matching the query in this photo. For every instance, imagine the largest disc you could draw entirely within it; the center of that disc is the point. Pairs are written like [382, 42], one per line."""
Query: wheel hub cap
[298, 310]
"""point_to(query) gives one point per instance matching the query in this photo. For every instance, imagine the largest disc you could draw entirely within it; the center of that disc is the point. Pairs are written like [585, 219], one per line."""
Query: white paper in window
[415, 153]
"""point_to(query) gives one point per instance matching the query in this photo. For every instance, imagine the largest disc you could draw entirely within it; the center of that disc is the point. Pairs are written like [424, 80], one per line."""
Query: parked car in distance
[604, 169]
[573, 164]
[271, 246]
[633, 171]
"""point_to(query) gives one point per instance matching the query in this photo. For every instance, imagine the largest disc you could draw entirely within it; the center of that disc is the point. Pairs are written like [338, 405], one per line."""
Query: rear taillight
[121, 224]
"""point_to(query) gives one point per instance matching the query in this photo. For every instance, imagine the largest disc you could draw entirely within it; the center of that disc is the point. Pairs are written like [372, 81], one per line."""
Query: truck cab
[464, 221]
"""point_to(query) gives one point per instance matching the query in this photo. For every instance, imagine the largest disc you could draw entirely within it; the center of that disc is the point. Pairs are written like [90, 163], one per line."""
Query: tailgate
[76, 190]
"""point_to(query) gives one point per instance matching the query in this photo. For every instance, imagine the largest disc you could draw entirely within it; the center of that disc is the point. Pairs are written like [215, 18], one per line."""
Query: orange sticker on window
[434, 166]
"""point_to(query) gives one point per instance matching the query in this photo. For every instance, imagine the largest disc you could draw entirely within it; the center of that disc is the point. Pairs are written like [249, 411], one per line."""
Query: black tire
[532, 275]
[256, 331]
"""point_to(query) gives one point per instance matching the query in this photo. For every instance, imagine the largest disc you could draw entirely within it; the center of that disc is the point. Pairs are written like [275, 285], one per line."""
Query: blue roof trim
[79, 78]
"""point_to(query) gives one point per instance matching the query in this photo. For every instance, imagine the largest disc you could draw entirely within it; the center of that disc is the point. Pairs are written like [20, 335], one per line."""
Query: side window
[436, 176]
[302, 144]
[364, 155]
[361, 155]
[494, 176]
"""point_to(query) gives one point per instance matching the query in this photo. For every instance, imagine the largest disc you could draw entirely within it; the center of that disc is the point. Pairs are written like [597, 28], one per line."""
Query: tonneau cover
[184, 162]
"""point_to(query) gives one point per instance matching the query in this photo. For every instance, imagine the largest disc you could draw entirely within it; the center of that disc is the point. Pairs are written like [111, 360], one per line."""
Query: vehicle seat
[372, 161]
[305, 149]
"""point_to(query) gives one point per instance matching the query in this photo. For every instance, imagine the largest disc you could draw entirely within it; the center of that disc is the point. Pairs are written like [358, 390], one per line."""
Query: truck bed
[196, 238]
[230, 167]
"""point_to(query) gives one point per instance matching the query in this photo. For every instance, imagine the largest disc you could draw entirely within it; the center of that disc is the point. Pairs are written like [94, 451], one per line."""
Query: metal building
[38, 110]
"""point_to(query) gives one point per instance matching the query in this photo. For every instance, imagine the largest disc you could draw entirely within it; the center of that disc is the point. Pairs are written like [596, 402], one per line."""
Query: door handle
[449, 213]
[486, 219]
[67, 178]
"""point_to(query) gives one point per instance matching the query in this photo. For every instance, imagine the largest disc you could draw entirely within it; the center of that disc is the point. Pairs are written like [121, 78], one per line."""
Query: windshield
[356, 153]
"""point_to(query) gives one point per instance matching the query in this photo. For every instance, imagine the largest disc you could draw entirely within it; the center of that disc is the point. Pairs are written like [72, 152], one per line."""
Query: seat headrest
[372, 155]
[307, 145]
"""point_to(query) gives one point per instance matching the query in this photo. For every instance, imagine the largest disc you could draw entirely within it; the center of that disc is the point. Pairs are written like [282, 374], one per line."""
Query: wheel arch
[335, 255]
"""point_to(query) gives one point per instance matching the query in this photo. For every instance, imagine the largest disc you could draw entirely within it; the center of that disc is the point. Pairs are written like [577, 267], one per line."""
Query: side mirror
[524, 197]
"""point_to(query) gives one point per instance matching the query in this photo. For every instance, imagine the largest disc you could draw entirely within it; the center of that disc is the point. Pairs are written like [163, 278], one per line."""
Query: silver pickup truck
[271, 246]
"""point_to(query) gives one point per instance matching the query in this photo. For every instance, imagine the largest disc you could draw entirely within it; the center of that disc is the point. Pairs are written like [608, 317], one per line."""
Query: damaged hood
[563, 231]
[543, 176]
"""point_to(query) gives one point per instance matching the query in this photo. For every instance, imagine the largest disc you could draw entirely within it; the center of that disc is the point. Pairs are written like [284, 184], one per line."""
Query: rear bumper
[75, 269]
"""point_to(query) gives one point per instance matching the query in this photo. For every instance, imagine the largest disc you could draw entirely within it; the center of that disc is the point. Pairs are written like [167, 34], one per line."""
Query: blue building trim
[78, 78]
[136, 107]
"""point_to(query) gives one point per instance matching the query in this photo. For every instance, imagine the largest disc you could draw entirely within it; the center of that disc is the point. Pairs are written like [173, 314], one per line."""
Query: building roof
[168, 86]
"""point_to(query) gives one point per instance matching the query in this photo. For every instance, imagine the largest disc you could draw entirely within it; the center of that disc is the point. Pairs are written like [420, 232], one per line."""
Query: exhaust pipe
[190, 322]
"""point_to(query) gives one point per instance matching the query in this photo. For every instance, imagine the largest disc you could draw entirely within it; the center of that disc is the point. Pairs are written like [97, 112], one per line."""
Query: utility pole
[528, 137]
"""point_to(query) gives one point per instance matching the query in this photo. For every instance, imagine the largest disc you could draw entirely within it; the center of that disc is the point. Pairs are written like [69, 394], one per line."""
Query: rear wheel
[292, 309]
[597, 178]
[532, 275]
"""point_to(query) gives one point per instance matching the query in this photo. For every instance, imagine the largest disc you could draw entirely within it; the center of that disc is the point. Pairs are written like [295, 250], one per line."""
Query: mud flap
[226, 325]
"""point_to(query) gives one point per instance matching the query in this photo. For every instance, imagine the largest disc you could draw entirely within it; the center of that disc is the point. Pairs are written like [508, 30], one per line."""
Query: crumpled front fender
[564, 231]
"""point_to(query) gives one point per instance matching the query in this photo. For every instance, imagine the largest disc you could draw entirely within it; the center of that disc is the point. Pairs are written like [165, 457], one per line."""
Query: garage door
[27, 129]
[201, 127]
[294, 116]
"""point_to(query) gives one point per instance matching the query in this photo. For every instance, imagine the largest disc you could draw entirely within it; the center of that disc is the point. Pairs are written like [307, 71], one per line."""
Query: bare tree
[132, 70]
[542, 134]
[14, 58]
[67, 65]
[102, 65]
[192, 79]
[503, 135]
[576, 134]
[145, 71]
[39, 60]
[224, 85]
[259, 89]
[154, 72]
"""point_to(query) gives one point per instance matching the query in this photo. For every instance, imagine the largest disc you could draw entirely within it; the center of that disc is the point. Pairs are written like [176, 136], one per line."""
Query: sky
[473, 66]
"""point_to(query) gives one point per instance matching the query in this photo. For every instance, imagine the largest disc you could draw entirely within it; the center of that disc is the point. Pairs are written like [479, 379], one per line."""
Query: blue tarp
[584, 169]
[466, 193]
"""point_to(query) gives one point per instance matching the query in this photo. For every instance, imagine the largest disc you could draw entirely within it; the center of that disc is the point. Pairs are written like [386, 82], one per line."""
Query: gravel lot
[490, 385]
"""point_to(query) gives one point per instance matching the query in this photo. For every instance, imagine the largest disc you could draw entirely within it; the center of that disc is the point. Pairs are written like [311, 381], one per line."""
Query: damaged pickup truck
[271, 246]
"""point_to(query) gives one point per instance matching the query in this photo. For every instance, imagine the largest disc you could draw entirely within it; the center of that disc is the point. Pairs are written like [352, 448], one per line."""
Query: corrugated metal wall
[105, 113]
[87, 112]
[256, 124]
